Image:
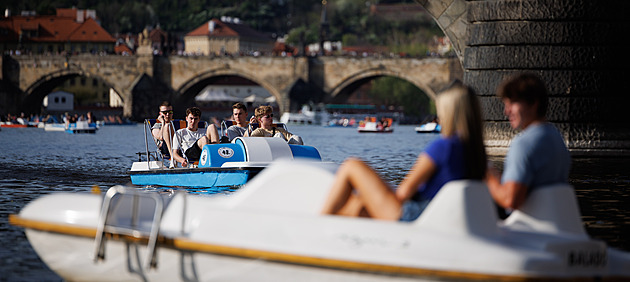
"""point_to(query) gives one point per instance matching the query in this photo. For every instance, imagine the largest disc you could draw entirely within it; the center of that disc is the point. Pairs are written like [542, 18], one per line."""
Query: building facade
[229, 37]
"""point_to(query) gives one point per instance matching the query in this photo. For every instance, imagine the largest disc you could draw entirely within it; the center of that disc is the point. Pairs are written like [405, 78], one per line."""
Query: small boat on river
[16, 125]
[429, 127]
[306, 116]
[272, 230]
[220, 165]
[371, 125]
[81, 127]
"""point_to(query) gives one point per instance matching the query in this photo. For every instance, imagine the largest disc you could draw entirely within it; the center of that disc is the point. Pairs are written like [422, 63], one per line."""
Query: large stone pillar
[575, 46]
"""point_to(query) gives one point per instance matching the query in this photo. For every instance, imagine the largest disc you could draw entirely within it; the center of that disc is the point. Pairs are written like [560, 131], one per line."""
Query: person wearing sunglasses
[264, 117]
[161, 133]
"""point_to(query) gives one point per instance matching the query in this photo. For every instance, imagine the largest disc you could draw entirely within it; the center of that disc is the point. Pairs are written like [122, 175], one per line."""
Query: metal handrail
[103, 227]
[146, 142]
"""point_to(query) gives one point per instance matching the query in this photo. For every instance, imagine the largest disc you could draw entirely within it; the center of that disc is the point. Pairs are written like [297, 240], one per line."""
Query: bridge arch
[192, 87]
[35, 93]
[354, 80]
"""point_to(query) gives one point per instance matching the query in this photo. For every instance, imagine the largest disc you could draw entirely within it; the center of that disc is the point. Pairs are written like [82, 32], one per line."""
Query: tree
[396, 91]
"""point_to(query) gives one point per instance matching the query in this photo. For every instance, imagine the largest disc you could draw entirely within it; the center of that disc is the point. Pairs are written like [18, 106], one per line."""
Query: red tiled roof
[67, 12]
[52, 29]
[90, 31]
[121, 48]
[223, 29]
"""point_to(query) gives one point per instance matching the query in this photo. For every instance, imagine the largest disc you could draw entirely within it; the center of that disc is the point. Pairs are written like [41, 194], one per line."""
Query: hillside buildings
[69, 31]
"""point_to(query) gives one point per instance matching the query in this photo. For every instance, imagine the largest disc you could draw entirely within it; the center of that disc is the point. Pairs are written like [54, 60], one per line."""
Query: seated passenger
[459, 153]
[161, 132]
[264, 116]
[192, 138]
[538, 155]
[239, 115]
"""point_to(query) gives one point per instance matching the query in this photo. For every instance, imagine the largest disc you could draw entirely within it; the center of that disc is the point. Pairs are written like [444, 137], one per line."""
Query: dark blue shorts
[411, 210]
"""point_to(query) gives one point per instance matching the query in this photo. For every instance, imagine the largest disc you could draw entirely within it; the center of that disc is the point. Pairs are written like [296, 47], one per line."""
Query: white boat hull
[271, 230]
[197, 266]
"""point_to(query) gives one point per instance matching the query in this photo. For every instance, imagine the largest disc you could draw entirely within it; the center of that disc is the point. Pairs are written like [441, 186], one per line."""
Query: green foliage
[396, 91]
[307, 34]
[349, 21]
[349, 40]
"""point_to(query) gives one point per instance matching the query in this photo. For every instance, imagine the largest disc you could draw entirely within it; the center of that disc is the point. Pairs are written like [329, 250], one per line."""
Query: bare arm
[510, 195]
[157, 133]
[421, 171]
[178, 157]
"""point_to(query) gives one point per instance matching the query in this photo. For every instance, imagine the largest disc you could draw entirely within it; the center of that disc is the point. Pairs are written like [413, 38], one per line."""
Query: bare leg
[167, 136]
[211, 137]
[372, 195]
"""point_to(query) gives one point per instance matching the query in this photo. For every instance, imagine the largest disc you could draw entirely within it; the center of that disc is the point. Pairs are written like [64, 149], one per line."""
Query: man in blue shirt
[538, 155]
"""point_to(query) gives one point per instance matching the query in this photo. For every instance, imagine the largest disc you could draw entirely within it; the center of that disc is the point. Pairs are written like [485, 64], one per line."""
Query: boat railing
[135, 229]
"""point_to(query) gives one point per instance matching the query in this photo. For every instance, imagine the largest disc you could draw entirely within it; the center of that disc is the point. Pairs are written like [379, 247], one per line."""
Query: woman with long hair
[458, 153]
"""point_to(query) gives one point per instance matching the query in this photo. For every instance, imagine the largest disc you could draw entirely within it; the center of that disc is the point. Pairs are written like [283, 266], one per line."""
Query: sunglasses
[267, 116]
[167, 112]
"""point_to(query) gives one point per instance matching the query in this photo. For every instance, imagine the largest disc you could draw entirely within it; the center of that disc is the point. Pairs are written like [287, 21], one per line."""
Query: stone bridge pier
[576, 46]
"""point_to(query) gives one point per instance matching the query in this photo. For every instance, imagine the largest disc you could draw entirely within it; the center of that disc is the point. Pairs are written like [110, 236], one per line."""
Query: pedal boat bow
[271, 230]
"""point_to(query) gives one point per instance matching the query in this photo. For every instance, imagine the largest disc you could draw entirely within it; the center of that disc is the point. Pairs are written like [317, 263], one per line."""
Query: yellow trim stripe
[52, 227]
[185, 244]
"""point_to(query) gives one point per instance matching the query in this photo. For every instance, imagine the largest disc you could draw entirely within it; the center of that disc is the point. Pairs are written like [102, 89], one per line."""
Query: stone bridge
[144, 81]
[576, 46]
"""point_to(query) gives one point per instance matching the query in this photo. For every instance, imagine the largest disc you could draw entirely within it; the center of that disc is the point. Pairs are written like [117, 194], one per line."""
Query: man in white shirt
[192, 138]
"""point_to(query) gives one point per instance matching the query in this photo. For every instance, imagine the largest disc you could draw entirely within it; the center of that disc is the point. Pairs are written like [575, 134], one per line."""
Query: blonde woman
[459, 153]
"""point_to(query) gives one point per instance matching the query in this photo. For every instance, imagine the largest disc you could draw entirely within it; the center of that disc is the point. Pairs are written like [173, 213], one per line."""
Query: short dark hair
[194, 111]
[528, 88]
[239, 105]
[166, 104]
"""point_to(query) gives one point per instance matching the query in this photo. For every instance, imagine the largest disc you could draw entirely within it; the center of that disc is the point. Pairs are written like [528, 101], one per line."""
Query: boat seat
[264, 149]
[549, 209]
[461, 207]
[289, 187]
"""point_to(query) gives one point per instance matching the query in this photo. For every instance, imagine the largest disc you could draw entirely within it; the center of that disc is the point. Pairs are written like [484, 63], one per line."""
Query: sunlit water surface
[34, 162]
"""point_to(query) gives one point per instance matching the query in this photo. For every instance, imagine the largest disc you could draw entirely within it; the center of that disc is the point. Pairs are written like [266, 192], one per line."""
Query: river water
[34, 162]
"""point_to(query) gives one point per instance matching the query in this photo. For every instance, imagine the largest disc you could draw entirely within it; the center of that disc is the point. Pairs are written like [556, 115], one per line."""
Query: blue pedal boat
[220, 165]
[81, 127]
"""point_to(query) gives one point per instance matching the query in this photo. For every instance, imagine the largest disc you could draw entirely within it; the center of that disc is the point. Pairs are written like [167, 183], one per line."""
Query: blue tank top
[447, 154]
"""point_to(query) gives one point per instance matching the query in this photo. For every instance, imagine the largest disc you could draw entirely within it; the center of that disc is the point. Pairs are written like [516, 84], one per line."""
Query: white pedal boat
[271, 230]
